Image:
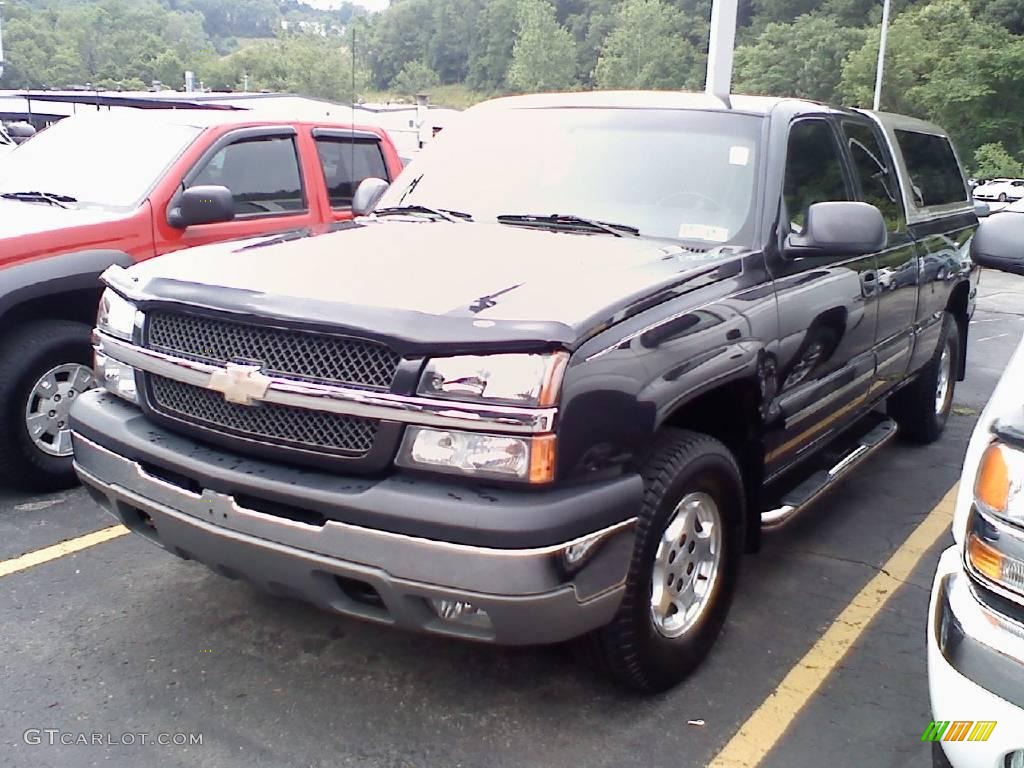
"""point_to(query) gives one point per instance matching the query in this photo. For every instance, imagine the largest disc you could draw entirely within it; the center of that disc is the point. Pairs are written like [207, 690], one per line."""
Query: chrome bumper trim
[346, 401]
[981, 644]
[591, 565]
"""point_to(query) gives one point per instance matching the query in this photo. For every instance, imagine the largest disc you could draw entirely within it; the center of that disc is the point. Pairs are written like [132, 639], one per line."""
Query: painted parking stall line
[57, 551]
[763, 729]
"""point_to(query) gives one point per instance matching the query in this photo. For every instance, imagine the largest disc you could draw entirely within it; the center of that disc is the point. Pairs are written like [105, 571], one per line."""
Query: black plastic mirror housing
[839, 229]
[208, 204]
[999, 242]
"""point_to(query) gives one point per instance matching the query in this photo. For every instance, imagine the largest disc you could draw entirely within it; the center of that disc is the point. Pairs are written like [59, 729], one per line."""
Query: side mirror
[367, 195]
[982, 209]
[839, 229]
[202, 205]
[999, 242]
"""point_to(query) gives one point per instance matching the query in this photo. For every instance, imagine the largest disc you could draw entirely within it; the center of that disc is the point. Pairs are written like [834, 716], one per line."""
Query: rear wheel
[1002, 197]
[44, 367]
[922, 407]
[684, 568]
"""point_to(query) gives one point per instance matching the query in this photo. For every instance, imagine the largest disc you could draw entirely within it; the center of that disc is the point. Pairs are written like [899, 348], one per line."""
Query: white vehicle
[976, 620]
[1000, 190]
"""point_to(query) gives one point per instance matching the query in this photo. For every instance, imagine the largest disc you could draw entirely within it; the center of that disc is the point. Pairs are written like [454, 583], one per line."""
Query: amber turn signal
[542, 459]
[984, 558]
[992, 484]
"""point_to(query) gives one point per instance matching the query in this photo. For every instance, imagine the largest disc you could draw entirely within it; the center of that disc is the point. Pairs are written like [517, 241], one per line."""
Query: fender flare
[75, 271]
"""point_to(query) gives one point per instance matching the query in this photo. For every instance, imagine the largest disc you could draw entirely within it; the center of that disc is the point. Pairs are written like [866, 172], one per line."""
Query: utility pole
[1, 39]
[882, 40]
[720, 49]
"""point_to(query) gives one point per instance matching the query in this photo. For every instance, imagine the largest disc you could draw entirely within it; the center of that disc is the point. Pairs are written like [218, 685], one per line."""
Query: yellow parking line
[46, 554]
[765, 727]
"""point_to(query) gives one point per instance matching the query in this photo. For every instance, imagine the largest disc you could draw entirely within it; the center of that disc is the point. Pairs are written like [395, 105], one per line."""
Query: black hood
[416, 278]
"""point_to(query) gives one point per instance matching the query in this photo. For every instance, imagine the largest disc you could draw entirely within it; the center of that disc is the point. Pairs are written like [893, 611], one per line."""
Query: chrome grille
[280, 351]
[276, 424]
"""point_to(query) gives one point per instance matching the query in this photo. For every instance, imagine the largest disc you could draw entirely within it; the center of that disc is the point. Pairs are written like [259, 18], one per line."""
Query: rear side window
[346, 162]
[262, 174]
[814, 170]
[934, 171]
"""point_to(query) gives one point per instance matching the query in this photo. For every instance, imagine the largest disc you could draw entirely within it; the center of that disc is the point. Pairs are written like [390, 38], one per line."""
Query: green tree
[993, 161]
[415, 77]
[803, 59]
[544, 54]
[647, 49]
[399, 35]
[491, 47]
[945, 65]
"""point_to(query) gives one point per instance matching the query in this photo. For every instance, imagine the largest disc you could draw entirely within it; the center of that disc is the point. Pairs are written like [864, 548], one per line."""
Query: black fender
[75, 272]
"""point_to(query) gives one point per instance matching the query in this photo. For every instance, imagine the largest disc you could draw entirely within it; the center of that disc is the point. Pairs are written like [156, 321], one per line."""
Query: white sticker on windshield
[739, 155]
[704, 232]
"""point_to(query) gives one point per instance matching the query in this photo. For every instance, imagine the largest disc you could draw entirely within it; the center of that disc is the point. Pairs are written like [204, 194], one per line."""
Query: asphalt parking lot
[121, 638]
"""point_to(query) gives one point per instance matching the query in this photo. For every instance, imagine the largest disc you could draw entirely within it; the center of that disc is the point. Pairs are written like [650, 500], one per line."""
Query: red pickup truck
[109, 188]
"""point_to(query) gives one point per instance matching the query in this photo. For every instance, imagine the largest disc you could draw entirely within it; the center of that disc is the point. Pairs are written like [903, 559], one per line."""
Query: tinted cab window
[814, 170]
[345, 163]
[934, 172]
[262, 174]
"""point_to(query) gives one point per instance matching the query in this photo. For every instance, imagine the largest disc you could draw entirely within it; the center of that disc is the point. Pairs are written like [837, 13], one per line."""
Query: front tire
[922, 407]
[685, 564]
[44, 366]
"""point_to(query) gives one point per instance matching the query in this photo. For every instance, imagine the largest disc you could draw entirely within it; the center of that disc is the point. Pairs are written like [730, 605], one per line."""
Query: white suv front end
[976, 624]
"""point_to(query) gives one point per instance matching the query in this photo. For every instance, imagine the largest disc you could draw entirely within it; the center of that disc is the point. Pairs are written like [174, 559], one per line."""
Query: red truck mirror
[207, 204]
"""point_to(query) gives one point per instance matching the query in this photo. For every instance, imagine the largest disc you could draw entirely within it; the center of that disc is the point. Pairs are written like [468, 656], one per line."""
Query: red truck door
[262, 166]
[281, 177]
[347, 156]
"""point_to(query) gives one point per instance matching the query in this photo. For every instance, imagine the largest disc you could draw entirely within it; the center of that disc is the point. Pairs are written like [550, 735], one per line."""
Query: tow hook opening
[138, 521]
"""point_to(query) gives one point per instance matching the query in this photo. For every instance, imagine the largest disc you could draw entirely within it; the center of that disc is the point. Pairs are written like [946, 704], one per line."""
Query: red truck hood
[28, 230]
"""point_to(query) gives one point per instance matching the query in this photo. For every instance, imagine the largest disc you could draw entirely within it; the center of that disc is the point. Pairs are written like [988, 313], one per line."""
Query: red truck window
[262, 174]
[346, 162]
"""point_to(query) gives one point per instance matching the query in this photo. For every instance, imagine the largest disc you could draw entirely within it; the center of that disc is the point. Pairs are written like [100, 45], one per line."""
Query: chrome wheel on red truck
[46, 365]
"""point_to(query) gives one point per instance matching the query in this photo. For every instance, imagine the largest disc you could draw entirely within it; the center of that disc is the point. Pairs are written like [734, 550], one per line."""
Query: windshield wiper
[40, 197]
[441, 213]
[567, 221]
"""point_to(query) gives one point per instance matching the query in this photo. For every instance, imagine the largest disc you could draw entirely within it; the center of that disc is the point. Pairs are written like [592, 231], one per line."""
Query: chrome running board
[805, 494]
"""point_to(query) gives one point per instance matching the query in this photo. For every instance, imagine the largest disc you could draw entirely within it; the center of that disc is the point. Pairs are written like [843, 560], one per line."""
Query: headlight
[512, 379]
[116, 377]
[497, 457]
[116, 315]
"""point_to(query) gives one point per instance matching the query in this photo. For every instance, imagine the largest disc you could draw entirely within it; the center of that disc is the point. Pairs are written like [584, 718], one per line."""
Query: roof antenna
[720, 50]
[352, 117]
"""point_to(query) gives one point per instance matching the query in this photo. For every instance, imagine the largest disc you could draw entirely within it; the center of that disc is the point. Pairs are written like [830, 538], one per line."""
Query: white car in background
[976, 619]
[1000, 190]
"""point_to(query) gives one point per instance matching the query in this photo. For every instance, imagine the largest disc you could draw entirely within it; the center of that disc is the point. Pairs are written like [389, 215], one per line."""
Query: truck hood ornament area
[240, 384]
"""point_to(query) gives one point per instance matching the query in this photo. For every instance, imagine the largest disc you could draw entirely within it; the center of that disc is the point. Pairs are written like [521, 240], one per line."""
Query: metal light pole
[720, 49]
[1, 39]
[880, 69]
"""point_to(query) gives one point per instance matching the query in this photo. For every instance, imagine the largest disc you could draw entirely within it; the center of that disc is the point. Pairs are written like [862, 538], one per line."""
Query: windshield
[96, 160]
[677, 174]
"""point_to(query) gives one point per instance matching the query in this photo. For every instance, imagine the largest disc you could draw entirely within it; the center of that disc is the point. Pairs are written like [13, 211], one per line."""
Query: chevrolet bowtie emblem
[242, 384]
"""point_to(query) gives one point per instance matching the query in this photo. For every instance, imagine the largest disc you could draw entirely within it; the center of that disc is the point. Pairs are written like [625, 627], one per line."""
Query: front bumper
[242, 518]
[975, 667]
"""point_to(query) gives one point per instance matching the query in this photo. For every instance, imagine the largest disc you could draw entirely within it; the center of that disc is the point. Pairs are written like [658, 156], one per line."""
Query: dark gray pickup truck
[581, 353]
